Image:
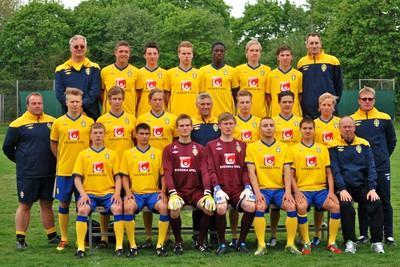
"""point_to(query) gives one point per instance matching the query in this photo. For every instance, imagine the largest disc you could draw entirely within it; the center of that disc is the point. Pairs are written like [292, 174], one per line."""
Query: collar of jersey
[151, 70]
[367, 113]
[240, 118]
[142, 150]
[285, 72]
[253, 68]
[154, 115]
[267, 144]
[215, 67]
[78, 65]
[317, 57]
[97, 151]
[324, 121]
[306, 145]
[66, 114]
[32, 117]
[288, 119]
[189, 69]
[115, 116]
[118, 68]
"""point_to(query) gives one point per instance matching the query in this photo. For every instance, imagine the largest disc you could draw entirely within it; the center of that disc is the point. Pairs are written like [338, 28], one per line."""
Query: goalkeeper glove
[207, 201]
[248, 194]
[175, 202]
[219, 195]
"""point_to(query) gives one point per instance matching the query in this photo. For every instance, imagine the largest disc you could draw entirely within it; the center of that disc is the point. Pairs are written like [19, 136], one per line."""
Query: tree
[7, 8]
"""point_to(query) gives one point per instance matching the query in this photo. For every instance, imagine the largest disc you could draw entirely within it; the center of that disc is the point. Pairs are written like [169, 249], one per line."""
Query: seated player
[270, 175]
[228, 175]
[313, 184]
[185, 172]
[142, 175]
[99, 184]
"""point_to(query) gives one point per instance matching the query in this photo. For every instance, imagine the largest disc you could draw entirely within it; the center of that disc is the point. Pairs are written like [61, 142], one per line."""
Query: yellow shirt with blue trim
[310, 163]
[219, 84]
[97, 169]
[287, 130]
[248, 130]
[184, 86]
[254, 81]
[127, 79]
[72, 137]
[144, 169]
[280, 81]
[149, 80]
[162, 128]
[118, 135]
[269, 161]
[326, 131]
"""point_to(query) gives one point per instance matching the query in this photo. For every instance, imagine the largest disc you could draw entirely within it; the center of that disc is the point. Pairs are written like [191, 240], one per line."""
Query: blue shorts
[316, 198]
[273, 195]
[64, 189]
[104, 201]
[148, 200]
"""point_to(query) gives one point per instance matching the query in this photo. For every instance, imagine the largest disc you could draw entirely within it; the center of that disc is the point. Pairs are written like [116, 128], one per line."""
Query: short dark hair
[183, 117]
[285, 93]
[97, 125]
[151, 45]
[217, 43]
[243, 92]
[313, 34]
[225, 116]
[116, 90]
[142, 126]
[307, 120]
[121, 43]
[282, 48]
[32, 94]
[155, 91]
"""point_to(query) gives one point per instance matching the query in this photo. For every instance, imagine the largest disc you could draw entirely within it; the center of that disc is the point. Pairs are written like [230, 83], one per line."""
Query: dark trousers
[383, 190]
[373, 211]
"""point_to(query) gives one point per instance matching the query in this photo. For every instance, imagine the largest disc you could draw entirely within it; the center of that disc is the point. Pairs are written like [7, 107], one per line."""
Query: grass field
[39, 253]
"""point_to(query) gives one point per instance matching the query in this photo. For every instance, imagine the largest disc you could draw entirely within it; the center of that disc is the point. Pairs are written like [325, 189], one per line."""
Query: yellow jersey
[248, 130]
[72, 136]
[254, 81]
[118, 135]
[326, 131]
[280, 81]
[184, 86]
[268, 161]
[287, 130]
[97, 168]
[219, 84]
[149, 80]
[127, 79]
[310, 163]
[144, 169]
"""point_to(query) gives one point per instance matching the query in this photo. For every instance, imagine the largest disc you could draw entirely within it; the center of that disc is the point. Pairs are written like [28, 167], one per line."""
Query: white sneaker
[351, 247]
[377, 247]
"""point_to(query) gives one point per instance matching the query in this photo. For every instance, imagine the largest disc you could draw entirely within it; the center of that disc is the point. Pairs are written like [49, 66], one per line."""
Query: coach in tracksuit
[377, 128]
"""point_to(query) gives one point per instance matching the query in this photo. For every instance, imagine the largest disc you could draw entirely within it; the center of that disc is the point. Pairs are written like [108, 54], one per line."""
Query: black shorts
[31, 190]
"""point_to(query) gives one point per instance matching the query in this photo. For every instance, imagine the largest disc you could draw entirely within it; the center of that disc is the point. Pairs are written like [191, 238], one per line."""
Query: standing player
[121, 74]
[270, 175]
[119, 127]
[183, 83]
[313, 184]
[228, 175]
[220, 81]
[252, 77]
[185, 171]
[69, 136]
[246, 129]
[142, 178]
[99, 184]
[284, 78]
[151, 76]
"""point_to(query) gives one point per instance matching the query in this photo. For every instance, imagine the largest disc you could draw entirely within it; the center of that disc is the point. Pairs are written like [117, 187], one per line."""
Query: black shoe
[133, 252]
[119, 252]
[203, 248]
[222, 249]
[161, 252]
[390, 241]
[233, 243]
[80, 254]
[55, 240]
[102, 245]
[362, 240]
[178, 249]
[242, 248]
[147, 244]
[21, 244]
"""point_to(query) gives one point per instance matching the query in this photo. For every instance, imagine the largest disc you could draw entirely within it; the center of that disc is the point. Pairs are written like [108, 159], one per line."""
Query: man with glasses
[377, 128]
[79, 72]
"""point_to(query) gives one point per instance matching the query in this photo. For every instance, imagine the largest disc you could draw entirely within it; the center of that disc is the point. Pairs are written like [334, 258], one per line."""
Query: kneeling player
[313, 184]
[228, 174]
[141, 171]
[267, 162]
[185, 171]
[98, 183]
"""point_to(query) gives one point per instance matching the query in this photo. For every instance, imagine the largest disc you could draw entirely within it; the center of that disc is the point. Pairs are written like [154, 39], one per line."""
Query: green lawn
[39, 253]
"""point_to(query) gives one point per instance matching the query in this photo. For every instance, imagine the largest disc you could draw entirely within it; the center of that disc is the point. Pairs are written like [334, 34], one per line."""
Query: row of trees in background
[363, 34]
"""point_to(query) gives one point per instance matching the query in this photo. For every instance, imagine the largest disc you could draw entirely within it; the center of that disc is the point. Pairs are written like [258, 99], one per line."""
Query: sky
[237, 5]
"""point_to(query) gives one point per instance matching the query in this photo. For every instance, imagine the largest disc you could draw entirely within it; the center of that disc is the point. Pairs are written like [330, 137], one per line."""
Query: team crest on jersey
[160, 75]
[226, 72]
[119, 131]
[323, 67]
[121, 82]
[21, 194]
[151, 84]
[296, 123]
[287, 134]
[358, 149]
[336, 125]
[166, 121]
[194, 75]
[254, 124]
[230, 158]
[215, 127]
[376, 123]
[186, 85]
[238, 147]
[246, 135]
[126, 120]
[158, 131]
[73, 135]
[83, 123]
[269, 160]
[285, 86]
[185, 162]
[87, 70]
[152, 156]
[262, 73]
[195, 151]
[293, 77]
[311, 161]
[318, 150]
[327, 136]
[278, 149]
[253, 82]
[130, 73]
[107, 156]
[216, 81]
[98, 167]
[144, 166]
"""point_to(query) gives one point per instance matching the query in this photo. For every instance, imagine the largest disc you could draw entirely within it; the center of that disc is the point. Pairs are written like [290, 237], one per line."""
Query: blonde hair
[73, 91]
[366, 89]
[326, 96]
[253, 42]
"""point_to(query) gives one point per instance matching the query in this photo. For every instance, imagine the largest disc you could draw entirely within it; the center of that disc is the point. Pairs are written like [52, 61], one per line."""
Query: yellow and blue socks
[119, 230]
[303, 227]
[129, 223]
[291, 227]
[334, 224]
[260, 224]
[81, 230]
[163, 225]
[63, 218]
